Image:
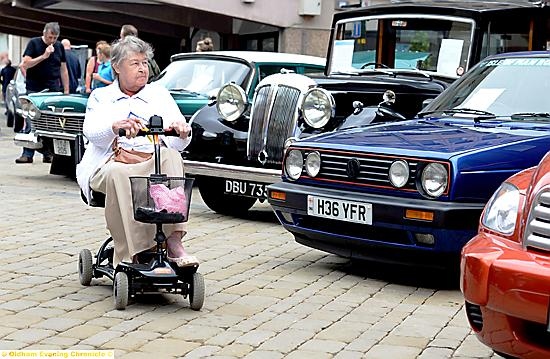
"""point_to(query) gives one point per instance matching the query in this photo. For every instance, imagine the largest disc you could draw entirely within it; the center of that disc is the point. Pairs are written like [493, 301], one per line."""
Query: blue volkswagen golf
[413, 191]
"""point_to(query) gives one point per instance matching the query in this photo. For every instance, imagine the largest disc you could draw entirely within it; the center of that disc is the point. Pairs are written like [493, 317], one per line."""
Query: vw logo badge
[353, 168]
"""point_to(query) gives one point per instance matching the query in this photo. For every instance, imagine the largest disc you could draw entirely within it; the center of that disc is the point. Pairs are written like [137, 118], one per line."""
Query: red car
[505, 269]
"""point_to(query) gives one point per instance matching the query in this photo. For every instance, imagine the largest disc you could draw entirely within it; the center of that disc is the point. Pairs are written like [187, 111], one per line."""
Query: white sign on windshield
[342, 55]
[450, 53]
[482, 99]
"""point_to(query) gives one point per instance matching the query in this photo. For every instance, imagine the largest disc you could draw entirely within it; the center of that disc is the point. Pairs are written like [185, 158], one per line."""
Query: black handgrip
[172, 133]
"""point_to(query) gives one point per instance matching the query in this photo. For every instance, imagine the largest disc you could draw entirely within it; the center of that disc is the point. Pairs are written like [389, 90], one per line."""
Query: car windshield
[424, 42]
[502, 87]
[204, 76]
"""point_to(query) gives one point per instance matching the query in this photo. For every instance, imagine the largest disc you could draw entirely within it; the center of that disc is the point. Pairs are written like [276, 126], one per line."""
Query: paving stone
[174, 347]
[323, 346]
[392, 351]
[255, 337]
[102, 337]
[83, 331]
[304, 354]
[58, 324]
[30, 335]
[287, 340]
[235, 350]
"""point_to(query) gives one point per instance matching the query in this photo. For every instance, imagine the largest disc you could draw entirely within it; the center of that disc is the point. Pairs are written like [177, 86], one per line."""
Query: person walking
[45, 65]
[6, 75]
[73, 66]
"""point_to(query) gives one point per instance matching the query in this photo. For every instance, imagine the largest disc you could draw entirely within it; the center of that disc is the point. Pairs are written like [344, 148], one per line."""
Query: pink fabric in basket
[171, 200]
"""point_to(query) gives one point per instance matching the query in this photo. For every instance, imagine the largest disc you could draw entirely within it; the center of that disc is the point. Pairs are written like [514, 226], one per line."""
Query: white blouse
[107, 105]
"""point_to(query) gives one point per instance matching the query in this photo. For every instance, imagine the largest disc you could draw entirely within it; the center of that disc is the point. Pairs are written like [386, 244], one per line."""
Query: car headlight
[434, 179]
[502, 209]
[294, 164]
[313, 164]
[317, 107]
[399, 173]
[29, 109]
[231, 102]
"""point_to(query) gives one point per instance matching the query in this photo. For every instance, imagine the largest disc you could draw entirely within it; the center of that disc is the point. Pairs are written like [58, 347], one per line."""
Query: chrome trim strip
[252, 174]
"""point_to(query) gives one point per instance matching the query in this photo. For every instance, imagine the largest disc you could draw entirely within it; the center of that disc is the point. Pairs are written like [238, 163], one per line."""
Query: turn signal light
[281, 196]
[420, 215]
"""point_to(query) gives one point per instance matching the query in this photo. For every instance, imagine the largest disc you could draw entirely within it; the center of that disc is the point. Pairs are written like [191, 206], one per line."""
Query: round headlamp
[317, 107]
[29, 109]
[231, 102]
[294, 164]
[313, 164]
[399, 173]
[434, 179]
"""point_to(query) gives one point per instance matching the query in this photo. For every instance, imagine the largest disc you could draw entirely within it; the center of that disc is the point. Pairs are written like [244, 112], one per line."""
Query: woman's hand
[181, 127]
[131, 125]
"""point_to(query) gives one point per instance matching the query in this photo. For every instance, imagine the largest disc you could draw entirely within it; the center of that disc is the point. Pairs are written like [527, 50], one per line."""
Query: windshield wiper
[483, 114]
[470, 111]
[184, 90]
[530, 114]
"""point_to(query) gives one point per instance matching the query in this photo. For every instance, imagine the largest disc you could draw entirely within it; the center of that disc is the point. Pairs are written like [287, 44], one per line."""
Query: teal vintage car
[193, 79]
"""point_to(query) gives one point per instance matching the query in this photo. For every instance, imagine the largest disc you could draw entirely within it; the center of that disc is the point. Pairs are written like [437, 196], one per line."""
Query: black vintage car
[384, 63]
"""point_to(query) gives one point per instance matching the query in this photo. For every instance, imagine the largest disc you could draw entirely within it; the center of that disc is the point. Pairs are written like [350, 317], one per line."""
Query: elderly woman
[125, 104]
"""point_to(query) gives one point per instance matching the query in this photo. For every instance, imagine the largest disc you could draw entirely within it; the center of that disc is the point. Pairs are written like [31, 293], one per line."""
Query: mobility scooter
[153, 272]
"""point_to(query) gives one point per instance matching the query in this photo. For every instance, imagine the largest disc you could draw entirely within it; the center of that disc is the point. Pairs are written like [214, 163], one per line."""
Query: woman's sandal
[185, 261]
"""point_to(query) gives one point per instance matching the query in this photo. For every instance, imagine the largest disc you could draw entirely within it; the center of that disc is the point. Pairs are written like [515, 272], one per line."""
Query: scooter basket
[161, 199]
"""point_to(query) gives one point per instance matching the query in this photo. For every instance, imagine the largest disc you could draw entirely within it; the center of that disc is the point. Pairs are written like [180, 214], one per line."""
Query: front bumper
[511, 288]
[252, 174]
[28, 140]
[391, 238]
[34, 139]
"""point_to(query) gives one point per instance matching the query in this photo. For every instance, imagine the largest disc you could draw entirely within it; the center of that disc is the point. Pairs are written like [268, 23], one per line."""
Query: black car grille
[273, 121]
[537, 230]
[59, 122]
[373, 169]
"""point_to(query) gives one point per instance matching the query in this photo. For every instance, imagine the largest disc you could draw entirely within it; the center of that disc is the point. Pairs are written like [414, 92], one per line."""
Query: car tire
[212, 193]
[9, 118]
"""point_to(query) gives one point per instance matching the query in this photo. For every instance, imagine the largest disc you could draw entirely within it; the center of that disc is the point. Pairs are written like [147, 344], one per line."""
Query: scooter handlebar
[172, 133]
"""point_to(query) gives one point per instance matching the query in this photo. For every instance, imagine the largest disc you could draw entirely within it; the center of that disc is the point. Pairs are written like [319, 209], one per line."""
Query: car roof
[256, 56]
[472, 8]
[525, 54]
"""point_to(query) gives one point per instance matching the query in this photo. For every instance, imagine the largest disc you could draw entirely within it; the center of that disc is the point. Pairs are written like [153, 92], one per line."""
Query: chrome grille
[273, 121]
[59, 122]
[257, 123]
[374, 169]
[537, 230]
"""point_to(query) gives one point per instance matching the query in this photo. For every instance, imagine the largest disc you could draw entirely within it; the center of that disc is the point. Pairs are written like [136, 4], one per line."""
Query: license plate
[61, 147]
[245, 188]
[349, 211]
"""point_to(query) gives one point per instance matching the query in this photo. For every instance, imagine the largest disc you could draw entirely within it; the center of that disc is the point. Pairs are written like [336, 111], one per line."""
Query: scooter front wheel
[85, 270]
[121, 290]
[196, 295]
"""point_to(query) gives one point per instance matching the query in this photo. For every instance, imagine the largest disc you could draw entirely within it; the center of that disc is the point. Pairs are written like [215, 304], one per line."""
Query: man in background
[6, 75]
[73, 66]
[45, 66]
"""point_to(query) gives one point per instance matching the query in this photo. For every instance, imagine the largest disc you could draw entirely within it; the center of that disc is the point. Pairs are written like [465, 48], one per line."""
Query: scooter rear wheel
[196, 295]
[85, 270]
[121, 290]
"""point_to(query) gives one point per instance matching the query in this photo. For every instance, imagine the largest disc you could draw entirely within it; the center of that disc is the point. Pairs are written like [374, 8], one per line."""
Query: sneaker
[24, 159]
[47, 159]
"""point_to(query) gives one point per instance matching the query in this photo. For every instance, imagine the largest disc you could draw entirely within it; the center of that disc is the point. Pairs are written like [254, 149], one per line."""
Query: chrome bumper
[28, 140]
[57, 135]
[252, 174]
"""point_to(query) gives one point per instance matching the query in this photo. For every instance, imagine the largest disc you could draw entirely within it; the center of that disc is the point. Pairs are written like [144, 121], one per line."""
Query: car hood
[60, 102]
[428, 138]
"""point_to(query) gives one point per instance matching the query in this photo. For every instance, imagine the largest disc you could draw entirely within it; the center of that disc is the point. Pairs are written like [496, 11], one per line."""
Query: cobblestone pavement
[266, 296]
